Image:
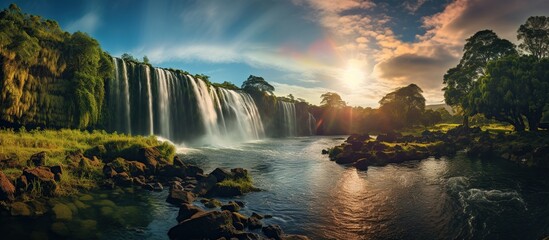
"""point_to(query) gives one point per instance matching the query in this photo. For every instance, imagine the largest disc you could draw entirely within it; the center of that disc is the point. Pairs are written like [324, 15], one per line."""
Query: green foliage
[245, 184]
[256, 84]
[479, 49]
[332, 100]
[226, 85]
[513, 88]
[50, 77]
[534, 35]
[404, 106]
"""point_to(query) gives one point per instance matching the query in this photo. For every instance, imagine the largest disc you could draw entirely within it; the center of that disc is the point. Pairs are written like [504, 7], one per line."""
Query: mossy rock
[62, 212]
[105, 203]
[85, 197]
[20, 209]
[60, 229]
[80, 205]
[106, 211]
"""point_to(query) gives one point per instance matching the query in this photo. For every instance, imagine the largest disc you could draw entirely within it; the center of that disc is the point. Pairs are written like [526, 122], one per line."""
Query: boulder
[204, 225]
[239, 218]
[205, 185]
[221, 174]
[239, 173]
[171, 171]
[42, 176]
[9, 160]
[361, 164]
[150, 157]
[194, 171]
[123, 179]
[62, 212]
[57, 170]
[256, 215]
[108, 171]
[38, 159]
[7, 189]
[254, 223]
[136, 168]
[178, 197]
[20, 209]
[186, 211]
[210, 202]
[178, 162]
[225, 191]
[273, 232]
[231, 207]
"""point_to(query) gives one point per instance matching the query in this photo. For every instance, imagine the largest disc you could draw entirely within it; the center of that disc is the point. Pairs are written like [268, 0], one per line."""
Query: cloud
[87, 23]
[413, 6]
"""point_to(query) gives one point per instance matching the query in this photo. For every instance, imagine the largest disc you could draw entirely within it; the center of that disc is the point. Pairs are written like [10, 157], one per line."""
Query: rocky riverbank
[362, 151]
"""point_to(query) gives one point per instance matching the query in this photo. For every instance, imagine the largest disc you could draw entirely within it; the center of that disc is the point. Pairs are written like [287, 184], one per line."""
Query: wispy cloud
[413, 5]
[87, 23]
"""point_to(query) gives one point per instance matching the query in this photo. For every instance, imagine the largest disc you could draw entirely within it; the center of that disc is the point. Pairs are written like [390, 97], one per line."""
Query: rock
[255, 215]
[108, 171]
[176, 185]
[39, 208]
[62, 212]
[194, 171]
[186, 211]
[150, 157]
[239, 226]
[86, 197]
[325, 151]
[361, 164]
[240, 203]
[57, 170]
[226, 191]
[221, 174]
[20, 209]
[178, 197]
[60, 229]
[247, 236]
[206, 225]
[273, 231]
[42, 176]
[120, 165]
[254, 223]
[149, 187]
[123, 179]
[211, 203]
[22, 183]
[178, 162]
[7, 189]
[38, 159]
[9, 161]
[205, 185]
[136, 168]
[239, 173]
[171, 171]
[239, 218]
[157, 187]
[139, 181]
[231, 207]
[294, 237]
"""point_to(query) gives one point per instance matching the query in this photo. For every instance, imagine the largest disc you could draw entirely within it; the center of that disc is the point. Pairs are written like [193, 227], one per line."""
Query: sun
[353, 75]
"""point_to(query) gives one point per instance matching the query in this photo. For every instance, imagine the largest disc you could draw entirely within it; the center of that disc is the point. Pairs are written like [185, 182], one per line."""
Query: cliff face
[48, 77]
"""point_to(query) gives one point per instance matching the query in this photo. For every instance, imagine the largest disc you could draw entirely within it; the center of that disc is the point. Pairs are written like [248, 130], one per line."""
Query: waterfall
[311, 123]
[288, 116]
[143, 100]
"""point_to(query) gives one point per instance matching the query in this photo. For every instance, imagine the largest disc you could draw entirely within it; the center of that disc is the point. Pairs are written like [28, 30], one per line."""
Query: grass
[57, 143]
[245, 184]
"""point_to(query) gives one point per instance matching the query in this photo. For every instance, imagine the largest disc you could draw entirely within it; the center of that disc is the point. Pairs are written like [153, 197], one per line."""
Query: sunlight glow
[353, 75]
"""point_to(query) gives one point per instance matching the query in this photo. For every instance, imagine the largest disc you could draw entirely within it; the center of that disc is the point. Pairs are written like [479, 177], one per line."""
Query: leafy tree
[514, 88]
[479, 49]
[145, 59]
[534, 35]
[129, 58]
[226, 85]
[256, 84]
[404, 106]
[332, 100]
[431, 117]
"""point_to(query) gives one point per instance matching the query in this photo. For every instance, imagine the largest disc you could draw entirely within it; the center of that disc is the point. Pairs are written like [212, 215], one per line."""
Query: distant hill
[442, 105]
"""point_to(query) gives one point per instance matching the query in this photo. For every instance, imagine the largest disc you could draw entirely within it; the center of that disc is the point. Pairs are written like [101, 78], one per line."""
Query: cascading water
[311, 124]
[171, 104]
[288, 116]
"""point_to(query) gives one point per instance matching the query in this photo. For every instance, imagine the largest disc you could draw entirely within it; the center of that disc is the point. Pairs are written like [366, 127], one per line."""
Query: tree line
[502, 81]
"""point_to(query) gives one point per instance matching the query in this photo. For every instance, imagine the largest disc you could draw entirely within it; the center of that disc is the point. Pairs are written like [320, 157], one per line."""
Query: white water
[149, 92]
[289, 118]
[311, 124]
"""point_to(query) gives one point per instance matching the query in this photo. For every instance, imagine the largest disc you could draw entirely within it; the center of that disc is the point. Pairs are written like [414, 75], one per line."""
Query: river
[448, 198]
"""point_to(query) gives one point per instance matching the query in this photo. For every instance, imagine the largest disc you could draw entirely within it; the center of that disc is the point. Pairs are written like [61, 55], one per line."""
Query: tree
[129, 58]
[332, 100]
[479, 49]
[404, 106]
[534, 35]
[257, 84]
[226, 85]
[145, 59]
[513, 89]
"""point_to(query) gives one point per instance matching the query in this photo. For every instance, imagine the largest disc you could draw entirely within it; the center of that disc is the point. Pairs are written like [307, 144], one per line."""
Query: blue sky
[360, 49]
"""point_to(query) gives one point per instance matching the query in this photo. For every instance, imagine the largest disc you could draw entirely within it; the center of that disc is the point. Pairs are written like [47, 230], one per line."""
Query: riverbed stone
[221, 174]
[231, 207]
[254, 223]
[62, 212]
[86, 197]
[42, 176]
[273, 232]
[20, 209]
[186, 211]
[210, 203]
[207, 225]
[178, 197]
[60, 229]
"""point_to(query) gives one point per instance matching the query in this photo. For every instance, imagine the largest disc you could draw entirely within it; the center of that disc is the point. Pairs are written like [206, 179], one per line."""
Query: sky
[360, 49]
